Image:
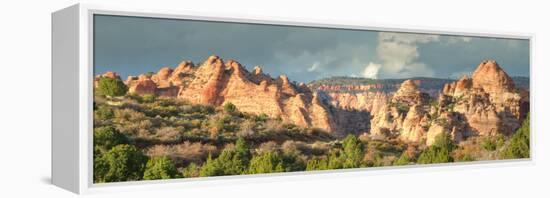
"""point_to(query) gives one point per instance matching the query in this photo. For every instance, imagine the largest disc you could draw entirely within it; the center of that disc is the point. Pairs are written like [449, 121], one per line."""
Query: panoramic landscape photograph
[178, 98]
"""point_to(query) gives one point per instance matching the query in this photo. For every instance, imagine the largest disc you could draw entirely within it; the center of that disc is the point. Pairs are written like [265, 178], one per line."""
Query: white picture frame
[72, 98]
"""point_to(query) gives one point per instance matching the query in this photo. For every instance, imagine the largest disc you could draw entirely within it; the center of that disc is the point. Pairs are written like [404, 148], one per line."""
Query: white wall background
[25, 97]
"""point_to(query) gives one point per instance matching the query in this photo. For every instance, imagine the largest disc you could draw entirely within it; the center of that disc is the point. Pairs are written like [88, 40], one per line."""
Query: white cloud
[371, 70]
[313, 67]
[396, 56]
[398, 53]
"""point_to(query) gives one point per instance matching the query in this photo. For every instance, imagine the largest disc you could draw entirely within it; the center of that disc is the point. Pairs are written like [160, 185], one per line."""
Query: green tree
[107, 137]
[492, 143]
[192, 170]
[242, 152]
[232, 161]
[160, 168]
[439, 152]
[403, 160]
[111, 87]
[335, 160]
[317, 164]
[353, 152]
[518, 147]
[210, 168]
[268, 162]
[292, 162]
[122, 163]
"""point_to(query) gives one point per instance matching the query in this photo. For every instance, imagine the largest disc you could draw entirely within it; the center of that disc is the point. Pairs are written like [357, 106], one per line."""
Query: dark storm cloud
[132, 45]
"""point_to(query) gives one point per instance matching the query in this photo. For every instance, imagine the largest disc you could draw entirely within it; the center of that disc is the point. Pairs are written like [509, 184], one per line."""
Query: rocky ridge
[216, 82]
[488, 103]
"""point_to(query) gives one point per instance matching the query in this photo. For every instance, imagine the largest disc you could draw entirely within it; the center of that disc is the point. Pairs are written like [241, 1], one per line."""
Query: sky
[136, 45]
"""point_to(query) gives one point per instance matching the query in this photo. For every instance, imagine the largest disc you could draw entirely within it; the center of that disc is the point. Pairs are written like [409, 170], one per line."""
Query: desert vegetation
[144, 137]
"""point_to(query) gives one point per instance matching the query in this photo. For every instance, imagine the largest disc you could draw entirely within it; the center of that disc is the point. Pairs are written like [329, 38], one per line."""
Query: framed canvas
[180, 99]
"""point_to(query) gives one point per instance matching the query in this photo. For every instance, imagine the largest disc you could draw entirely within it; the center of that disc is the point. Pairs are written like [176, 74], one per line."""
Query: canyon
[413, 110]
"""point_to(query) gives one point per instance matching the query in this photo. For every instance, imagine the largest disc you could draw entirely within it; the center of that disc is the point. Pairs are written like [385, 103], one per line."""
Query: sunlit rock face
[488, 103]
[217, 82]
[489, 100]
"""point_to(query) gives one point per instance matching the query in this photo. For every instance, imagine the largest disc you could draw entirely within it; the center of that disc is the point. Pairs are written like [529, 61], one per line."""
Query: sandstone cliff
[489, 100]
[217, 82]
[488, 103]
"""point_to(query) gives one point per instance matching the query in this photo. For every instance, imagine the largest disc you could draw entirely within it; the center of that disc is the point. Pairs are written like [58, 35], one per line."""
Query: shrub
[292, 147]
[160, 168]
[261, 118]
[274, 126]
[465, 158]
[111, 87]
[293, 162]
[103, 113]
[247, 129]
[471, 150]
[373, 158]
[270, 146]
[269, 162]
[168, 134]
[183, 153]
[148, 98]
[403, 160]
[229, 108]
[489, 144]
[107, 137]
[439, 152]
[518, 147]
[121, 163]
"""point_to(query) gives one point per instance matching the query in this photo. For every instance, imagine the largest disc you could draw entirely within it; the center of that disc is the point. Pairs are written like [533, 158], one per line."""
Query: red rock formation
[141, 85]
[217, 82]
[458, 88]
[409, 94]
[489, 100]
[162, 77]
[414, 124]
[450, 123]
[108, 74]
[181, 73]
[492, 79]
[486, 104]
